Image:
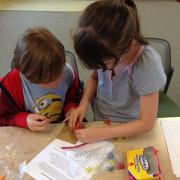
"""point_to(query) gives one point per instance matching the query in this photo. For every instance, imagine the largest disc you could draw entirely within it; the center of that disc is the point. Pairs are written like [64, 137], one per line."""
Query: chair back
[162, 46]
[70, 59]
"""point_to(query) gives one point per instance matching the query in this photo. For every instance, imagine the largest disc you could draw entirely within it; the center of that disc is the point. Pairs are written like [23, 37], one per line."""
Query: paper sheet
[171, 130]
[55, 163]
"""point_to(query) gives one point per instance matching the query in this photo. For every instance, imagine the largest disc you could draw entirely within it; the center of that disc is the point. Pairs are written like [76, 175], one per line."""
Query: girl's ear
[133, 42]
[131, 45]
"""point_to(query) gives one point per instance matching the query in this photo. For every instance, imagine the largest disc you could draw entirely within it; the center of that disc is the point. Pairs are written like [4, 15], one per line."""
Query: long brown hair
[39, 55]
[105, 30]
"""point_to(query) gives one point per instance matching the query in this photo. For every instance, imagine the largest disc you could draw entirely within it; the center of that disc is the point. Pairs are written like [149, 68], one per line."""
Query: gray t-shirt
[47, 101]
[121, 102]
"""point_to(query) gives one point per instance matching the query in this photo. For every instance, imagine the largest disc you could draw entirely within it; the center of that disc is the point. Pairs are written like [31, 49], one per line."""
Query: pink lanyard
[129, 68]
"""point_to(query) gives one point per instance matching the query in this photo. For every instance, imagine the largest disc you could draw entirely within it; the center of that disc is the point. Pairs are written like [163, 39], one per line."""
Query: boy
[41, 87]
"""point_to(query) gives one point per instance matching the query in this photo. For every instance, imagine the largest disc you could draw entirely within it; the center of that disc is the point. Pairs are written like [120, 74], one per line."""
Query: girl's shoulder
[148, 58]
[148, 72]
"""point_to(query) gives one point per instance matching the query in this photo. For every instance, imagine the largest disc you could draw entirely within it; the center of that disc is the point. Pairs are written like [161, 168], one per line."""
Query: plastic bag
[112, 162]
[7, 166]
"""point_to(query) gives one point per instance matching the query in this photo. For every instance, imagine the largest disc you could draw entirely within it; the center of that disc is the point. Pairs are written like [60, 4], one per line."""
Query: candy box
[143, 164]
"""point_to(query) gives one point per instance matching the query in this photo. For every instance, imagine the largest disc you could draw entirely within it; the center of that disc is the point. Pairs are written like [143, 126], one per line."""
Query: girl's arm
[148, 113]
[79, 113]
[90, 89]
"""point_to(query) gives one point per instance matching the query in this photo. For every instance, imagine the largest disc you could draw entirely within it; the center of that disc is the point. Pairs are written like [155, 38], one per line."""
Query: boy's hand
[37, 122]
[76, 115]
[89, 135]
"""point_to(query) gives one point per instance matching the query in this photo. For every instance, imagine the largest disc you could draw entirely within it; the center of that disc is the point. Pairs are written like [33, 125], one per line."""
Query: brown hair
[39, 55]
[105, 30]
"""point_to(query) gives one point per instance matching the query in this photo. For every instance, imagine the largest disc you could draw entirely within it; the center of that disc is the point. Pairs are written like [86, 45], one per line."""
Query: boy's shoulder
[13, 76]
[11, 84]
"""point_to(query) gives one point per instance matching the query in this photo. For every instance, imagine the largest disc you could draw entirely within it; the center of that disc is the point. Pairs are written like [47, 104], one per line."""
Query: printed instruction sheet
[54, 163]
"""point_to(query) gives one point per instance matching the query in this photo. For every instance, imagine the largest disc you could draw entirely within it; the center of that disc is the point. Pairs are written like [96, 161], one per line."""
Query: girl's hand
[37, 122]
[76, 115]
[89, 135]
[69, 113]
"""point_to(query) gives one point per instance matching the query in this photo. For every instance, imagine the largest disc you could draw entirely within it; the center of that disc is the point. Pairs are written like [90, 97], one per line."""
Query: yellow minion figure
[49, 105]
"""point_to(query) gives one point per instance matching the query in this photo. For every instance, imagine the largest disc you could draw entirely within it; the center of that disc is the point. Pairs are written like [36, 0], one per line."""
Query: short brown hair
[39, 55]
[105, 30]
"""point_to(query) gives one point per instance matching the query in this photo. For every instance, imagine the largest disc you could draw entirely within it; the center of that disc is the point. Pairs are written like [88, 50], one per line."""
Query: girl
[127, 73]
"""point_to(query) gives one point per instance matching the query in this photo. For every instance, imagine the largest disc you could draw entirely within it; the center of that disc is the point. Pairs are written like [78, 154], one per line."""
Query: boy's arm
[18, 119]
[12, 112]
[10, 115]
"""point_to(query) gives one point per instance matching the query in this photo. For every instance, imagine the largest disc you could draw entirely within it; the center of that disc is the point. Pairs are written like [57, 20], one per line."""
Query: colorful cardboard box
[143, 164]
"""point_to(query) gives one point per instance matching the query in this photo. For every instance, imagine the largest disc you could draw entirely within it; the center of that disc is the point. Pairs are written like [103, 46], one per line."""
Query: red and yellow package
[143, 164]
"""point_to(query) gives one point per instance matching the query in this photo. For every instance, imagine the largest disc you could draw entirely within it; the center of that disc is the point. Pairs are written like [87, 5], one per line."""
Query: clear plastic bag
[8, 170]
[112, 162]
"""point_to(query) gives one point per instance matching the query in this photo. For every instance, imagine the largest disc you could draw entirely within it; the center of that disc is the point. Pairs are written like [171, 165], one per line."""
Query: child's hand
[37, 122]
[89, 135]
[76, 115]
[69, 113]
